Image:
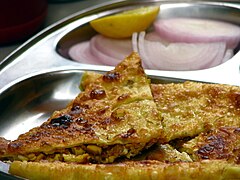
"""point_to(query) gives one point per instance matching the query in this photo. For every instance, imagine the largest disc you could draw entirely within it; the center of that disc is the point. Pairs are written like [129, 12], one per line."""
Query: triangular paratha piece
[115, 116]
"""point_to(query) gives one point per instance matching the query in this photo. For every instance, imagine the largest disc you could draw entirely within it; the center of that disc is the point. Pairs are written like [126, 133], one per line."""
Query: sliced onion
[228, 55]
[110, 51]
[136, 49]
[198, 30]
[134, 42]
[145, 60]
[81, 52]
[101, 50]
[180, 56]
[154, 36]
[102, 58]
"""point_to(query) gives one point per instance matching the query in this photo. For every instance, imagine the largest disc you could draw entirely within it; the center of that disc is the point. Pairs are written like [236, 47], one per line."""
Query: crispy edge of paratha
[215, 169]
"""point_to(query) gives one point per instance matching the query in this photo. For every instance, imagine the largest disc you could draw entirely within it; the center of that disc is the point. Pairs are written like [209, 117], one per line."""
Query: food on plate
[179, 44]
[191, 30]
[122, 25]
[180, 56]
[122, 127]
[228, 55]
[101, 50]
[3, 145]
[221, 143]
[114, 117]
[81, 52]
[88, 77]
[163, 153]
[191, 108]
[147, 169]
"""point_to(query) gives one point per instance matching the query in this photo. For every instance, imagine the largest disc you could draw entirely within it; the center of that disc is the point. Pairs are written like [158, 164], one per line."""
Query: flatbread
[115, 116]
[146, 170]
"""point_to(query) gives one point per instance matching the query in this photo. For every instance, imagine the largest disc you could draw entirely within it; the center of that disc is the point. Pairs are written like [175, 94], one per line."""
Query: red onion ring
[81, 52]
[198, 31]
[180, 56]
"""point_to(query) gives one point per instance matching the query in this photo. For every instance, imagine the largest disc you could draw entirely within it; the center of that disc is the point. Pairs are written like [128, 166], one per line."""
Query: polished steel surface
[28, 103]
[39, 77]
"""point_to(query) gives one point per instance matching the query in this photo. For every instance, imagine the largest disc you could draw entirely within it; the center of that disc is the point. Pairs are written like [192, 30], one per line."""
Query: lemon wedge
[122, 25]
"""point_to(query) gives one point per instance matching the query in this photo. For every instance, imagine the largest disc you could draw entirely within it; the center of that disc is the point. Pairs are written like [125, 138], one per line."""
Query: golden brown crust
[222, 143]
[191, 108]
[3, 145]
[118, 108]
[127, 170]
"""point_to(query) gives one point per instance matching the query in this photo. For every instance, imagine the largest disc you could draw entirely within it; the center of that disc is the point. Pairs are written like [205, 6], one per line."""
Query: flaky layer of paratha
[191, 108]
[222, 143]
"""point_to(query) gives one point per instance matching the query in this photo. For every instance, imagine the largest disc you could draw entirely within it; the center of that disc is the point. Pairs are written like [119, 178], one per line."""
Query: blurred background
[22, 19]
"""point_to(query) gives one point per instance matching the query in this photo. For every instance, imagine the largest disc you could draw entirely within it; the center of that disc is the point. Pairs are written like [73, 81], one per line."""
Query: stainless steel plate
[39, 77]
